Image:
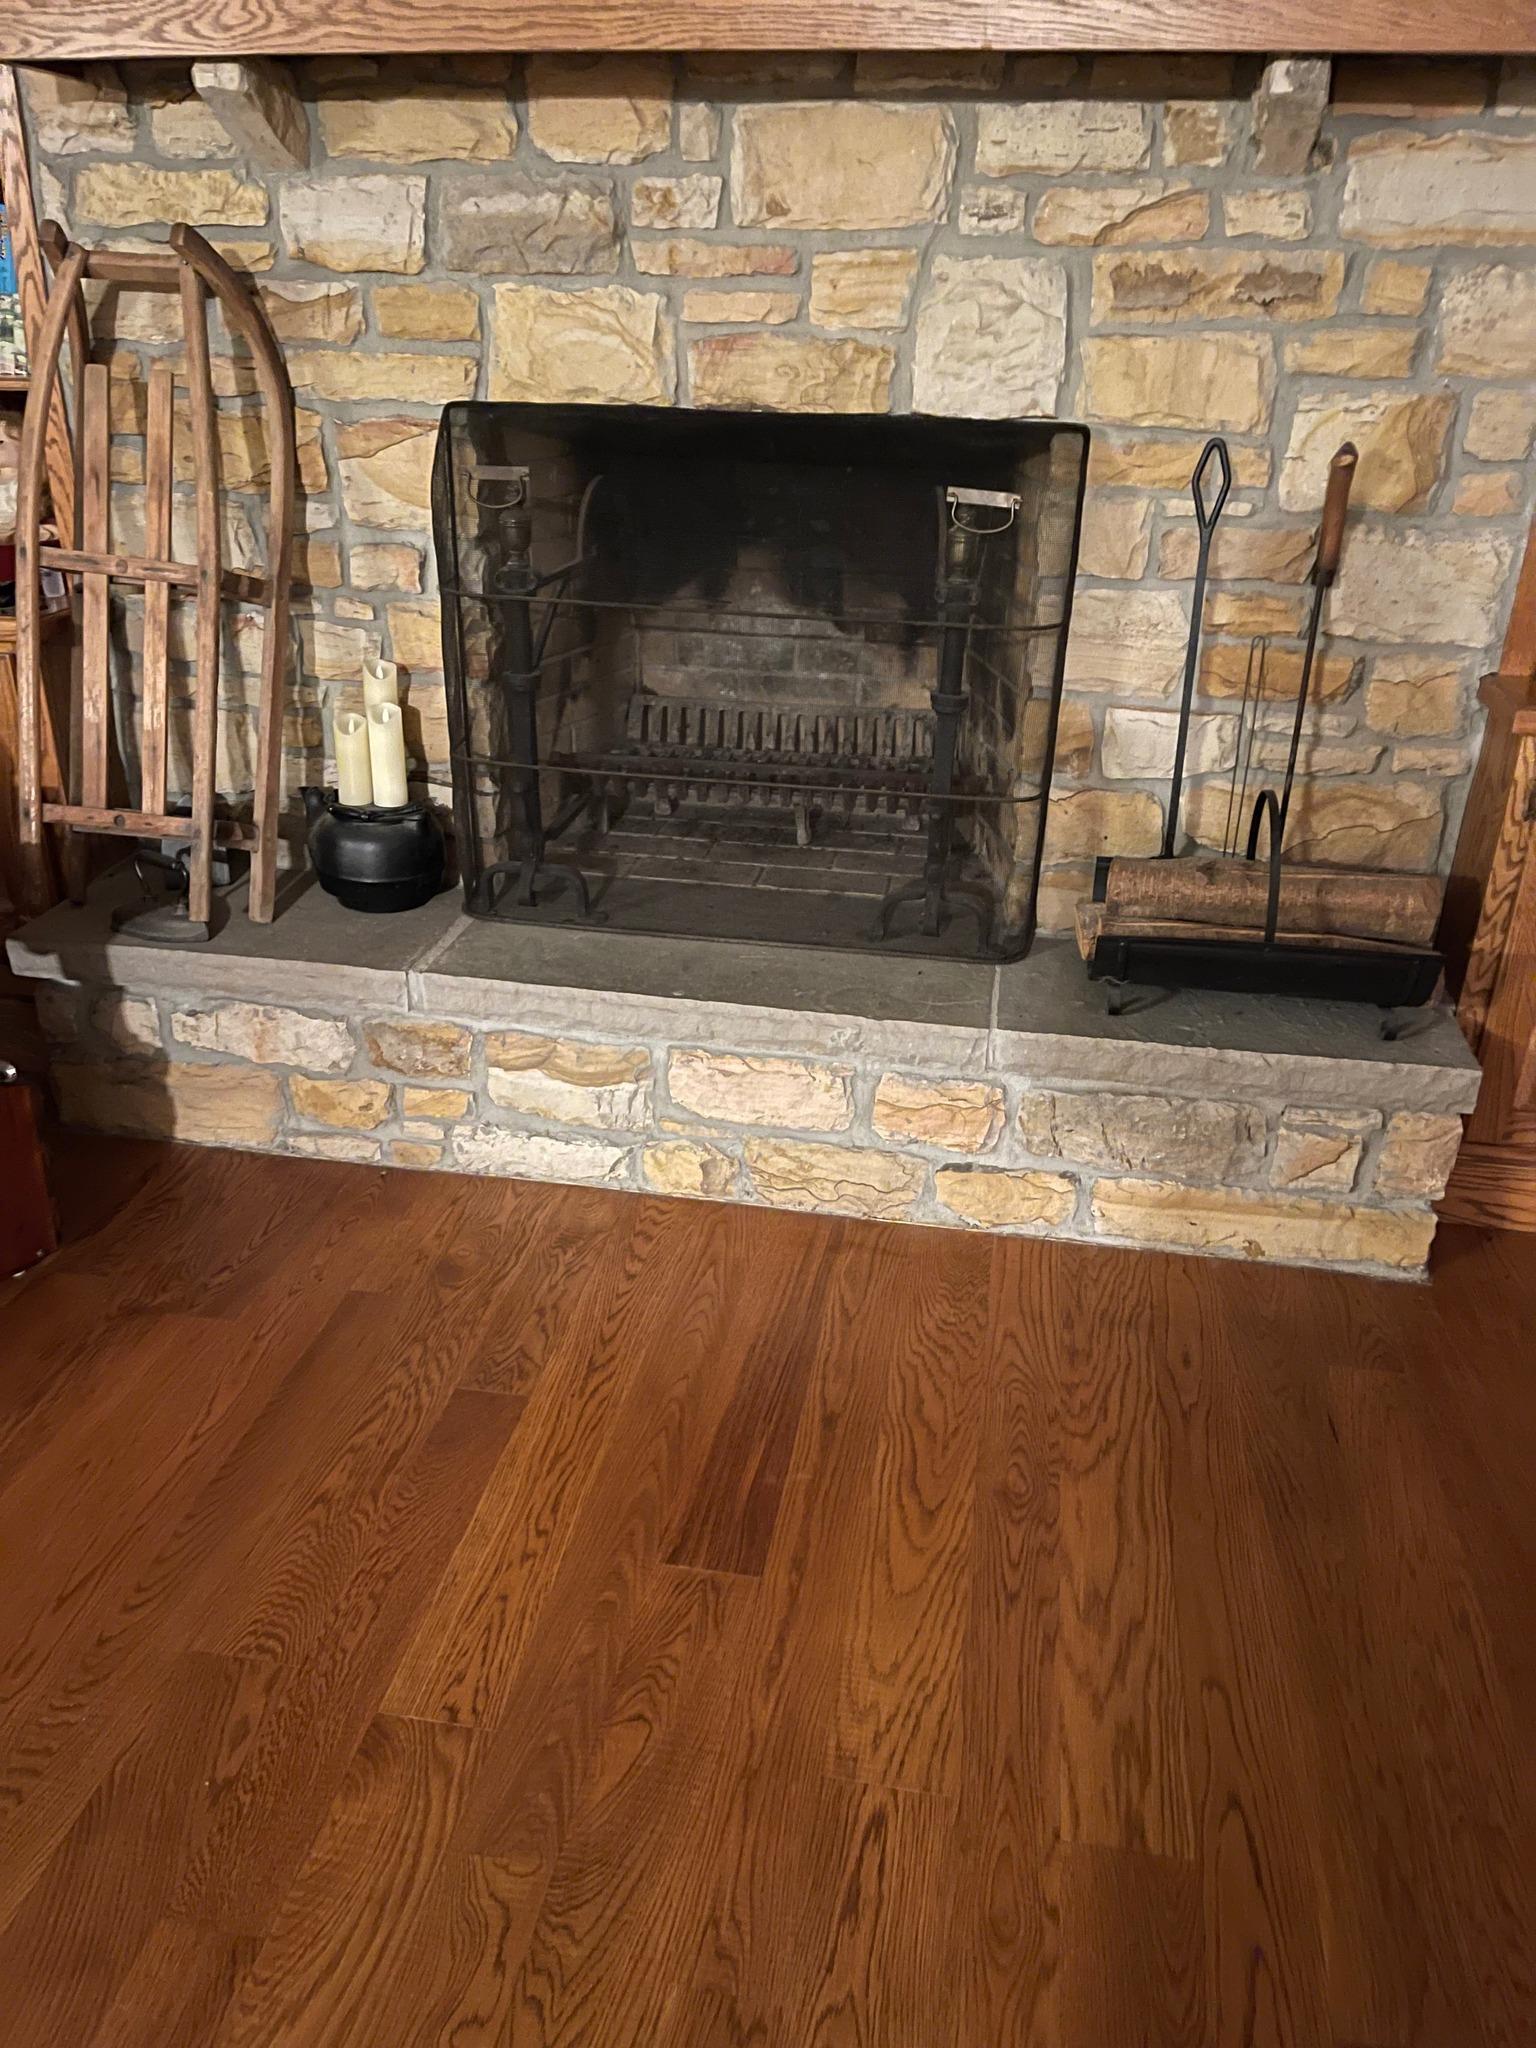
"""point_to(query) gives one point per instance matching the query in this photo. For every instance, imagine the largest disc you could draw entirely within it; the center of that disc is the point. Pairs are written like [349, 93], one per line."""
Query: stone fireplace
[1157, 248]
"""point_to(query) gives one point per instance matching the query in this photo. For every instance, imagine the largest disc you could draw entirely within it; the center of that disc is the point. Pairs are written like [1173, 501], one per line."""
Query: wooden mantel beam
[72, 31]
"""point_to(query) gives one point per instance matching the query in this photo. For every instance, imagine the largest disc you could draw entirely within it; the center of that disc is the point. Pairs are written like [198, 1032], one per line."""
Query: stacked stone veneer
[1209, 1161]
[1120, 241]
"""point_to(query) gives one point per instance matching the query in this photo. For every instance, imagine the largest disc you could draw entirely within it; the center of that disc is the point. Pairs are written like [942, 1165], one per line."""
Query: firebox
[788, 678]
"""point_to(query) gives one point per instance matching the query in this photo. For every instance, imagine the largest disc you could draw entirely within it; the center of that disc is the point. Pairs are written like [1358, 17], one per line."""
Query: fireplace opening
[784, 678]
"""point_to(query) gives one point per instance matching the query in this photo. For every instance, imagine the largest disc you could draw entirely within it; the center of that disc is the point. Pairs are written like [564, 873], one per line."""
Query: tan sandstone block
[414, 1152]
[268, 1035]
[1166, 463]
[936, 71]
[685, 256]
[466, 122]
[1087, 822]
[1401, 439]
[1198, 132]
[1415, 696]
[415, 379]
[1224, 673]
[386, 472]
[1075, 738]
[1061, 136]
[698, 131]
[1489, 494]
[313, 312]
[426, 312]
[1001, 1200]
[333, 653]
[957, 1116]
[317, 564]
[416, 634]
[1501, 426]
[991, 337]
[509, 225]
[73, 112]
[1392, 286]
[1405, 586]
[739, 1088]
[787, 374]
[352, 1105]
[184, 126]
[207, 1105]
[680, 1167]
[384, 565]
[1115, 538]
[1128, 641]
[131, 1023]
[1487, 319]
[1254, 612]
[538, 1155]
[440, 1105]
[1427, 87]
[608, 344]
[1207, 381]
[136, 195]
[1319, 1150]
[1241, 554]
[574, 1083]
[840, 164]
[692, 201]
[417, 1047]
[326, 1145]
[1139, 745]
[720, 309]
[841, 1180]
[993, 210]
[862, 287]
[612, 109]
[1394, 824]
[1147, 212]
[1279, 213]
[1351, 352]
[1417, 1154]
[1419, 191]
[1255, 1226]
[1196, 1138]
[376, 222]
[1217, 284]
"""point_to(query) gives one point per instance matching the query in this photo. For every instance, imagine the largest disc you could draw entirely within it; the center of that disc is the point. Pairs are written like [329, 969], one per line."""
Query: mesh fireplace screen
[753, 676]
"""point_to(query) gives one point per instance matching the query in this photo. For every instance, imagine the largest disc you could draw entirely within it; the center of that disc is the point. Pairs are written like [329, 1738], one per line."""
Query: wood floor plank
[1133, 1966]
[177, 1989]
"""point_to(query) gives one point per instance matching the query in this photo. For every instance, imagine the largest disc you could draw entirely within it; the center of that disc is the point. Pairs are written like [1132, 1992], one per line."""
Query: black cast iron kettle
[374, 857]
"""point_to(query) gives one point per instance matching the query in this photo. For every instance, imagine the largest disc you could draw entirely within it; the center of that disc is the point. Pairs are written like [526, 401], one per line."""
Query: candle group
[370, 744]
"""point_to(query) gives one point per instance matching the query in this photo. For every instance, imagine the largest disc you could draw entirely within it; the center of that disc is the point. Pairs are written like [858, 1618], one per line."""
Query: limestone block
[417, 1047]
[685, 256]
[1166, 462]
[698, 131]
[785, 374]
[74, 112]
[431, 123]
[993, 210]
[131, 1023]
[254, 101]
[841, 1180]
[1256, 554]
[384, 565]
[350, 1151]
[135, 195]
[1152, 211]
[1487, 318]
[1088, 822]
[439, 1104]
[1415, 696]
[426, 312]
[351, 1105]
[1195, 1138]
[1116, 537]
[608, 344]
[386, 472]
[1401, 439]
[416, 634]
[1318, 757]
[1208, 381]
[1421, 191]
[1255, 1226]
[537, 1155]
[207, 1105]
[735, 1088]
[574, 1083]
[1501, 426]
[1224, 673]
[1198, 133]
[1217, 284]
[680, 1167]
[840, 164]
[862, 287]
[1000, 1200]
[375, 222]
[1062, 136]
[613, 109]
[1394, 824]
[183, 126]
[1128, 641]
[334, 653]
[1252, 612]
[1411, 585]
[313, 312]
[1139, 745]
[268, 1035]
[692, 201]
[740, 308]
[1288, 109]
[417, 378]
[1278, 213]
[1427, 757]
[1392, 286]
[991, 337]
[516, 225]
[1319, 1151]
[1351, 352]
[955, 1116]
[1489, 494]
[1417, 1154]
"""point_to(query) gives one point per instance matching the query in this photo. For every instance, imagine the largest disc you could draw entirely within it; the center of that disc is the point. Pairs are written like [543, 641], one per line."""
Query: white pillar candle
[354, 773]
[386, 754]
[381, 682]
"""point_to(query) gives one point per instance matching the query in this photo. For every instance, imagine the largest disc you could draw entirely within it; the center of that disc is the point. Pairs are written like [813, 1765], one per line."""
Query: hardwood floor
[441, 1612]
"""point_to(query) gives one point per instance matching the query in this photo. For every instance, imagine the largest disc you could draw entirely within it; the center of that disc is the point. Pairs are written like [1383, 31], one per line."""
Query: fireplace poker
[1206, 516]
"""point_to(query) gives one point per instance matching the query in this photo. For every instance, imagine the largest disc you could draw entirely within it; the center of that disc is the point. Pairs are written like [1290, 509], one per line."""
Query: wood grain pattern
[782, 1633]
[40, 31]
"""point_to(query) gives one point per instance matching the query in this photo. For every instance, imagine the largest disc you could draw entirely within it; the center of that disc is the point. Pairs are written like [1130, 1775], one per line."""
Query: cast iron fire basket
[752, 676]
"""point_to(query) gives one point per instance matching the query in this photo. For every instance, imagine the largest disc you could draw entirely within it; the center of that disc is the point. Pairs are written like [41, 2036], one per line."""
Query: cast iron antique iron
[755, 676]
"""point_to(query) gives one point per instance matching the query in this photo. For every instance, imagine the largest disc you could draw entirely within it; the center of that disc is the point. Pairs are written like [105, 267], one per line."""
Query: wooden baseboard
[1493, 1185]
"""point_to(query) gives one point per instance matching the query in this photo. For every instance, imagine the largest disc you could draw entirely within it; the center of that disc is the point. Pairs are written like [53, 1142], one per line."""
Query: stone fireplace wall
[1116, 241]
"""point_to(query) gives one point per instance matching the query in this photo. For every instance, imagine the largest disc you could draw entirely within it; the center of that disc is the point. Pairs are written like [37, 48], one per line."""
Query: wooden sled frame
[195, 271]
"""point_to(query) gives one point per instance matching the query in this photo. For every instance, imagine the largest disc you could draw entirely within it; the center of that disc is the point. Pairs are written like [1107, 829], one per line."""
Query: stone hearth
[944, 1093]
